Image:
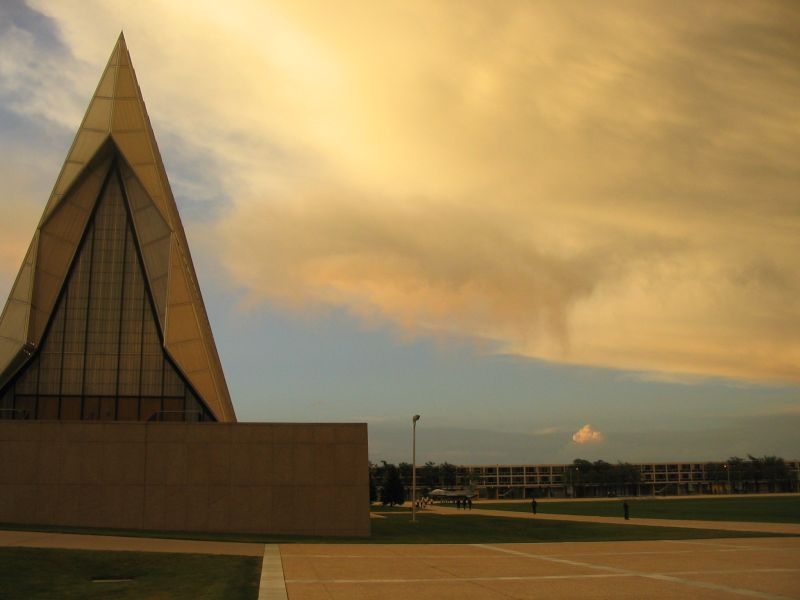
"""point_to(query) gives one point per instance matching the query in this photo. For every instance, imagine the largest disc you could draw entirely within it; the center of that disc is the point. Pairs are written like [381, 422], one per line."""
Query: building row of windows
[541, 479]
[566, 474]
[102, 408]
[510, 470]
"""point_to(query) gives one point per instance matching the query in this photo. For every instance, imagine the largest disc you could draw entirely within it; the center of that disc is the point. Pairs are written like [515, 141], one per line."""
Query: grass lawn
[765, 509]
[45, 574]
[395, 525]
[381, 509]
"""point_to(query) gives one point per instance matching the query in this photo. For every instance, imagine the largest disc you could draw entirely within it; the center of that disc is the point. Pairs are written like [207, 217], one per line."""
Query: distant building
[105, 320]
[643, 479]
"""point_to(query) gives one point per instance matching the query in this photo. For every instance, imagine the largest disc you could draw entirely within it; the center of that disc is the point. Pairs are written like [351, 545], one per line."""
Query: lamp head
[415, 418]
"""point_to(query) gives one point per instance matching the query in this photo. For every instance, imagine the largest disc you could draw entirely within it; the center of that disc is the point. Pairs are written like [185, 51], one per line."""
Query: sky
[555, 230]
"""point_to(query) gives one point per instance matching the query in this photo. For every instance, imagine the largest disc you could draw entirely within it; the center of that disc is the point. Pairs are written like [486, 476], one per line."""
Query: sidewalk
[790, 528]
[72, 541]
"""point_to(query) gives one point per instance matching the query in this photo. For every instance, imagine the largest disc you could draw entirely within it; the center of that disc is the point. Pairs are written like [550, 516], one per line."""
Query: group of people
[465, 503]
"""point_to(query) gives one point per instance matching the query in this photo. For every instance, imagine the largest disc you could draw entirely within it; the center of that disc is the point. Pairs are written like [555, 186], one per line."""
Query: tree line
[602, 477]
[389, 482]
[753, 474]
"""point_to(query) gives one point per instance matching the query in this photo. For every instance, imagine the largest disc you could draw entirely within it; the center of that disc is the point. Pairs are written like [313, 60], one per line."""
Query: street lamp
[575, 480]
[414, 420]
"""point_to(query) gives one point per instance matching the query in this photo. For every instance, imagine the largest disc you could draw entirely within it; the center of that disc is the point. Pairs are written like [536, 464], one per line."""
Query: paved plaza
[703, 569]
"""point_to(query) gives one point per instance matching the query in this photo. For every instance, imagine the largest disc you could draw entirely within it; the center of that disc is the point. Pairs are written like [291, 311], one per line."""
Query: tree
[738, 472]
[602, 475]
[378, 471]
[428, 475]
[373, 488]
[578, 475]
[406, 472]
[393, 490]
[771, 469]
[627, 477]
[719, 476]
[447, 474]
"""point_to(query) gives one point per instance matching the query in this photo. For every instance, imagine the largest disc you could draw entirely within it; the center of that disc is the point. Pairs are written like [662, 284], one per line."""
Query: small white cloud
[587, 435]
[546, 431]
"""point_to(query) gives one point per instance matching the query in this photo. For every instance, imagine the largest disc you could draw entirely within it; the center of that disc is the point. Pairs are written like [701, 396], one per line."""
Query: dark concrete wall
[308, 479]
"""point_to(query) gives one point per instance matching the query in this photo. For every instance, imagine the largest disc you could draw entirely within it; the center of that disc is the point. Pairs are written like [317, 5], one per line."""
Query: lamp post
[414, 420]
[576, 480]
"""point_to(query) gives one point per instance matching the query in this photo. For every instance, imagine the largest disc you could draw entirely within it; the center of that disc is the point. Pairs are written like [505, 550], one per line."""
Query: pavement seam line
[460, 579]
[529, 577]
[656, 576]
[722, 545]
[272, 585]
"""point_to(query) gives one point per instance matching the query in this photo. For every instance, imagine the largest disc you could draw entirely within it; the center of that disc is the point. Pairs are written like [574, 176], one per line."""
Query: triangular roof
[116, 125]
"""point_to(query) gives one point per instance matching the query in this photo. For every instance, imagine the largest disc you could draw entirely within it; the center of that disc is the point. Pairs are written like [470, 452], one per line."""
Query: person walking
[533, 505]
[626, 510]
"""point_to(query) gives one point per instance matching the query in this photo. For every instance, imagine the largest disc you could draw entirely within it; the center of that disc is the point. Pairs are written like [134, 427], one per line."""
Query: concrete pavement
[767, 568]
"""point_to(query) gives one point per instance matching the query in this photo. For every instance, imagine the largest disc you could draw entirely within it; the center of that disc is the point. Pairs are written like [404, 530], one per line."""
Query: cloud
[547, 431]
[581, 184]
[587, 435]
[593, 204]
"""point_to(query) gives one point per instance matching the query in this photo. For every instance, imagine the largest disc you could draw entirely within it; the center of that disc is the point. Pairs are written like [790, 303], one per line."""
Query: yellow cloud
[587, 435]
[606, 185]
